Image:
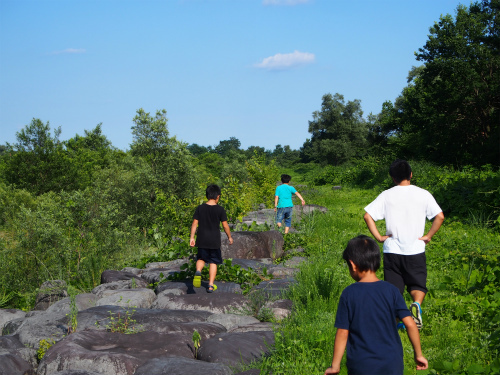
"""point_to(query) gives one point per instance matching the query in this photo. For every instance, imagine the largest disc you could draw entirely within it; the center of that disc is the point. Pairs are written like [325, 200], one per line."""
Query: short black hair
[285, 178]
[400, 170]
[213, 191]
[364, 252]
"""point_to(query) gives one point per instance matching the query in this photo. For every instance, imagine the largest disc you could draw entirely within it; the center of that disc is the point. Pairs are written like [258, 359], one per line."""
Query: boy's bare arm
[414, 336]
[370, 223]
[300, 196]
[436, 224]
[338, 351]
[276, 199]
[193, 231]
[228, 232]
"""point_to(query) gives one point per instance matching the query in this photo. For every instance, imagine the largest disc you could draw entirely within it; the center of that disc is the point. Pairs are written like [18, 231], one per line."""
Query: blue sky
[251, 69]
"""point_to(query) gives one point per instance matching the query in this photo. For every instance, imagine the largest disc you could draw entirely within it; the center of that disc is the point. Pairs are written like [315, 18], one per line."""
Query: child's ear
[353, 266]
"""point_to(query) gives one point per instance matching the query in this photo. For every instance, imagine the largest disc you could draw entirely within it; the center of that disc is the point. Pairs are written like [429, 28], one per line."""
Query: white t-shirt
[404, 209]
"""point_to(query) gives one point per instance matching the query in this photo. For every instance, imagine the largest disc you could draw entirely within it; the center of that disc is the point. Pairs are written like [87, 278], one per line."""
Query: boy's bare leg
[212, 272]
[287, 229]
[417, 296]
[200, 264]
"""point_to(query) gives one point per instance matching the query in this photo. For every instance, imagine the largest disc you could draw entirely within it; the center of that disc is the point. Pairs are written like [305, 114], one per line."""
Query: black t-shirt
[209, 219]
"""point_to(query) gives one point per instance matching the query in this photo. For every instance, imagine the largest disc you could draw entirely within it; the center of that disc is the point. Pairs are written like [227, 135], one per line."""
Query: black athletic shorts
[210, 255]
[409, 270]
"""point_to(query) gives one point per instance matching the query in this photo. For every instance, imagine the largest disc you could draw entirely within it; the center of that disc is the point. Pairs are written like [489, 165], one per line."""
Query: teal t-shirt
[284, 193]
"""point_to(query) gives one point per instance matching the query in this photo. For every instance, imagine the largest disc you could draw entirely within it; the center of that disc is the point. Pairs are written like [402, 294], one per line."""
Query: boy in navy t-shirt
[207, 218]
[366, 317]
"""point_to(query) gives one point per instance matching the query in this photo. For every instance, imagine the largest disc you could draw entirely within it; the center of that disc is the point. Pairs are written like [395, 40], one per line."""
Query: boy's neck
[212, 202]
[404, 183]
[367, 277]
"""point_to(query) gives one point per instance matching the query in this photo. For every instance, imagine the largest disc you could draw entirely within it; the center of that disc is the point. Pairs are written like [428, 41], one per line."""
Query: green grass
[460, 311]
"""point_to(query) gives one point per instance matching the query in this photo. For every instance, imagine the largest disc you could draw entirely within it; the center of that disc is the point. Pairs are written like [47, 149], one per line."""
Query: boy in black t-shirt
[365, 318]
[207, 217]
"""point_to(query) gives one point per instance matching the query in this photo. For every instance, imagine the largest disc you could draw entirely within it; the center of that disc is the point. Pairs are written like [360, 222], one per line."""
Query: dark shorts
[210, 255]
[284, 213]
[409, 270]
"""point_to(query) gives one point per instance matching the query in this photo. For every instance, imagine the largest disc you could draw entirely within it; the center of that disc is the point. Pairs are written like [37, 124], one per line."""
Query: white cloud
[69, 51]
[284, 2]
[282, 61]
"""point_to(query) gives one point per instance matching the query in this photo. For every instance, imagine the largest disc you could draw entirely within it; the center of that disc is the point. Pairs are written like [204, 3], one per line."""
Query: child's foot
[211, 288]
[197, 279]
[416, 314]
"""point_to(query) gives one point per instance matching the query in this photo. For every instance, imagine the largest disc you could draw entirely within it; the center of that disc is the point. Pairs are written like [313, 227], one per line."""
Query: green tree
[169, 159]
[450, 112]
[37, 162]
[338, 132]
[224, 147]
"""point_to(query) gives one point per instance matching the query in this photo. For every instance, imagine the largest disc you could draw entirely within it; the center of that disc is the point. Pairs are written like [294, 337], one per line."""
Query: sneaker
[416, 314]
[197, 279]
[401, 326]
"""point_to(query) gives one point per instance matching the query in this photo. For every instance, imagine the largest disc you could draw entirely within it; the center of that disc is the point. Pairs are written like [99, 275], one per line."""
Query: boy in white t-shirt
[405, 208]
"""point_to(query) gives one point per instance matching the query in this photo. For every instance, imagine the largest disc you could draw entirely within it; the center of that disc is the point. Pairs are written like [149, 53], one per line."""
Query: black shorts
[210, 255]
[409, 270]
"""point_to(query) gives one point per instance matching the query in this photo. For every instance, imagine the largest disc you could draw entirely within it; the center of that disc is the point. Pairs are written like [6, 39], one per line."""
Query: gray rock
[282, 271]
[231, 321]
[83, 301]
[12, 364]
[256, 327]
[7, 315]
[120, 284]
[109, 276]
[156, 275]
[143, 319]
[137, 298]
[75, 372]
[294, 262]
[171, 264]
[135, 271]
[113, 353]
[50, 291]
[275, 288]
[280, 309]
[253, 245]
[186, 287]
[217, 303]
[254, 371]
[255, 264]
[181, 366]
[233, 349]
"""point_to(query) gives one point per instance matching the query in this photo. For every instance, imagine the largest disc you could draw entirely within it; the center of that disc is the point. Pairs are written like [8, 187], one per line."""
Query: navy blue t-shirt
[369, 311]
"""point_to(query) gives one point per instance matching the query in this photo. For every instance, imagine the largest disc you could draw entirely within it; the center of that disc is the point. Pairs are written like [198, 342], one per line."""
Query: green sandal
[197, 281]
[211, 288]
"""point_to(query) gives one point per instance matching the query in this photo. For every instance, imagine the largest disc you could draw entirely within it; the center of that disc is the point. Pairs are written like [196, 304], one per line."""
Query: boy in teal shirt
[283, 203]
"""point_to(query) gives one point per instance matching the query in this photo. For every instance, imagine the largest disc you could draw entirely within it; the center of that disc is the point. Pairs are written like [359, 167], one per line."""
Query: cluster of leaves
[122, 323]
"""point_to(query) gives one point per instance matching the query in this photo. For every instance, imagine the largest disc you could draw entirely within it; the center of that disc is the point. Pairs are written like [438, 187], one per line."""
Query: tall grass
[459, 315]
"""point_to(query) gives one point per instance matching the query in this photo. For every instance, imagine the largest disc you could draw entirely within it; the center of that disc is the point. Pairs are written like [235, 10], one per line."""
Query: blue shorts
[209, 256]
[284, 213]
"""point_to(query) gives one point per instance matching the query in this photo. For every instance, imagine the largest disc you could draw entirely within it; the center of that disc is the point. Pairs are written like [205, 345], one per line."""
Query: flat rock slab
[275, 288]
[6, 315]
[75, 372]
[110, 353]
[137, 298]
[182, 366]
[13, 364]
[120, 284]
[145, 319]
[233, 349]
[186, 287]
[110, 276]
[217, 302]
